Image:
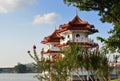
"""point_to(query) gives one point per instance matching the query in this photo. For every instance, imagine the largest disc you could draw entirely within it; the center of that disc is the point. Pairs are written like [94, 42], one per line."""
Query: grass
[116, 80]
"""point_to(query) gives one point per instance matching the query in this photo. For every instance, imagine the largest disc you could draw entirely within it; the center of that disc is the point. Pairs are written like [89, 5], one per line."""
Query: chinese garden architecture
[75, 31]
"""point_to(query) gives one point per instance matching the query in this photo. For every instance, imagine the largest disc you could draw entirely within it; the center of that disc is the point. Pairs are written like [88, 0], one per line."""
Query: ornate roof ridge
[77, 20]
[55, 34]
[55, 37]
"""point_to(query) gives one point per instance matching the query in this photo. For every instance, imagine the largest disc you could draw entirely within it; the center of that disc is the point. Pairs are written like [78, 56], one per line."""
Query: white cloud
[49, 18]
[11, 5]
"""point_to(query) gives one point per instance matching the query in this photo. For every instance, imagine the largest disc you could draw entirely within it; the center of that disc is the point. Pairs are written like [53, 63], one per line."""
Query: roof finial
[76, 12]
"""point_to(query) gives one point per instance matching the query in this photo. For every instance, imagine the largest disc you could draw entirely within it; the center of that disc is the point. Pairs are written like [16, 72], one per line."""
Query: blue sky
[24, 23]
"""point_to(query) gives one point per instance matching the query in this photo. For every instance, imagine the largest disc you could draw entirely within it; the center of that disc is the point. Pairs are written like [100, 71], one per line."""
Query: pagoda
[75, 31]
[51, 41]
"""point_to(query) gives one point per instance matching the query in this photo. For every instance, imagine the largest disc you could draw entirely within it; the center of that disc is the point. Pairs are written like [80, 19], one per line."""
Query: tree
[75, 59]
[20, 68]
[108, 9]
[109, 12]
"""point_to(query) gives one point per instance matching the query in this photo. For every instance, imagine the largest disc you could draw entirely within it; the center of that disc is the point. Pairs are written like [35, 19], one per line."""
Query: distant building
[6, 70]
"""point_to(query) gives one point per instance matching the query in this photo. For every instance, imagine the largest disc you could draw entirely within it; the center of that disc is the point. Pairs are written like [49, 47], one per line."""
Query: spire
[76, 12]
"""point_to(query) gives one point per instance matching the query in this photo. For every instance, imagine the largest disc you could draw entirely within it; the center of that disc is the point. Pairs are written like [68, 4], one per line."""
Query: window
[77, 35]
[68, 36]
[86, 36]
[54, 45]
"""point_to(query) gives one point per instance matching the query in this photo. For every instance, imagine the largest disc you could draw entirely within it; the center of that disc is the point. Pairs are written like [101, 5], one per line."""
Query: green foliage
[75, 58]
[20, 68]
[116, 80]
[109, 11]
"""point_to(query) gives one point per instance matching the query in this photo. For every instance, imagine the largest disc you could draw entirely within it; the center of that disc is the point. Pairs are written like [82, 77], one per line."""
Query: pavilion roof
[77, 24]
[54, 37]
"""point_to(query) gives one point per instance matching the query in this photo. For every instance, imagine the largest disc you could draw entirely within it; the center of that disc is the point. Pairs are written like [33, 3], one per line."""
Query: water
[17, 77]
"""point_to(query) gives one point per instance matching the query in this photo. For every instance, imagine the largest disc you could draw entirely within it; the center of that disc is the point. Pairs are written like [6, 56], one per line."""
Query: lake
[20, 77]
[17, 77]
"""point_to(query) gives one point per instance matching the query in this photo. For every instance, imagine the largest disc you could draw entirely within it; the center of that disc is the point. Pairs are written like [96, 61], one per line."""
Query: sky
[24, 23]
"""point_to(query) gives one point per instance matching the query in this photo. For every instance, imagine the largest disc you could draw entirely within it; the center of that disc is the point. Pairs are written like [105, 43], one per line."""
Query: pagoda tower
[51, 41]
[77, 31]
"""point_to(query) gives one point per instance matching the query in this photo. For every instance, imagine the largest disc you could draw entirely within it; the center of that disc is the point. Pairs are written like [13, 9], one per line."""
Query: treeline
[20, 68]
[24, 68]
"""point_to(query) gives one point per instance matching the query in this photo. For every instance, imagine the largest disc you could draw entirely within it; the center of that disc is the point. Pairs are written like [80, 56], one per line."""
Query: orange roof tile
[50, 51]
[54, 37]
[77, 20]
[77, 24]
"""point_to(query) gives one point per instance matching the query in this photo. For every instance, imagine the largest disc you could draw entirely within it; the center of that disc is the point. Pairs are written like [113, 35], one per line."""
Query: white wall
[52, 46]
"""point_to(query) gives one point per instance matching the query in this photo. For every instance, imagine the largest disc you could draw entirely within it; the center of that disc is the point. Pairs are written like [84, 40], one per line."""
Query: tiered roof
[77, 24]
[50, 51]
[54, 37]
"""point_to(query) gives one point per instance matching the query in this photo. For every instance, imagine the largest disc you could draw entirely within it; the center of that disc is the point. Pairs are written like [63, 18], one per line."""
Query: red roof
[50, 51]
[54, 37]
[77, 24]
